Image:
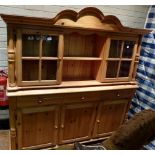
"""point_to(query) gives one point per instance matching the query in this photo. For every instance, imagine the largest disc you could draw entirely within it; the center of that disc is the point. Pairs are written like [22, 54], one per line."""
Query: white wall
[132, 16]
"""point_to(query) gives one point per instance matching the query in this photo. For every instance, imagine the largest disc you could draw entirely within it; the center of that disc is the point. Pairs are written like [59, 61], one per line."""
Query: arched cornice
[90, 17]
[74, 16]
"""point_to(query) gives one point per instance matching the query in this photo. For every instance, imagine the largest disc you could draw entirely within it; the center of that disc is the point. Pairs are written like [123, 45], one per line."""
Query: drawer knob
[40, 101]
[98, 121]
[56, 126]
[62, 126]
[118, 95]
[82, 98]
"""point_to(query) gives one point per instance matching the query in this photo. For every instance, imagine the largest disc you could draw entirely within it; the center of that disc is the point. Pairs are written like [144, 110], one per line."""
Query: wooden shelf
[82, 58]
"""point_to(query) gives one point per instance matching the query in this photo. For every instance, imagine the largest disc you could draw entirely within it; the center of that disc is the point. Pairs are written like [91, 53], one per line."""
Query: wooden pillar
[18, 63]
[60, 58]
[11, 59]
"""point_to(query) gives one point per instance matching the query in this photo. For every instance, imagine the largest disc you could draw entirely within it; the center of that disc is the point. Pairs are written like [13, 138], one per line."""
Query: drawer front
[118, 94]
[27, 101]
[82, 97]
[36, 100]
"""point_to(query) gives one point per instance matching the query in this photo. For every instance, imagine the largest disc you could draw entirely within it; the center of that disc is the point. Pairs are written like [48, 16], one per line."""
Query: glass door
[41, 58]
[120, 59]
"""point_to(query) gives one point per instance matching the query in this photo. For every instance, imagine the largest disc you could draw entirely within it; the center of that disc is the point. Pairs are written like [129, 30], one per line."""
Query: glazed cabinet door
[119, 58]
[43, 51]
[76, 122]
[37, 127]
[110, 116]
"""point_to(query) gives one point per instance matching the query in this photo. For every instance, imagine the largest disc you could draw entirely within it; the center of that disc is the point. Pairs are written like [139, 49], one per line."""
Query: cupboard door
[110, 116]
[37, 127]
[43, 52]
[119, 59]
[76, 122]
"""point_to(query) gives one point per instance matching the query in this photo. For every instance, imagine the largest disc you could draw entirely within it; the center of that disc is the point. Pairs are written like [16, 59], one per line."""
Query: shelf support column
[60, 57]
[11, 59]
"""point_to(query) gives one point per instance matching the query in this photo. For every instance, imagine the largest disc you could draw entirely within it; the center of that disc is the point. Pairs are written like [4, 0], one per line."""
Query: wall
[132, 16]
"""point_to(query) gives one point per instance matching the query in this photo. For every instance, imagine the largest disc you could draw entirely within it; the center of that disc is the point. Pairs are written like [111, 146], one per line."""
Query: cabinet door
[110, 116]
[43, 52]
[77, 122]
[119, 58]
[37, 127]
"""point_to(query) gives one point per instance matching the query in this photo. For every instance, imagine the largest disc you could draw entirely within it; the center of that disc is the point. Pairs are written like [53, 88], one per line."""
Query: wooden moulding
[89, 18]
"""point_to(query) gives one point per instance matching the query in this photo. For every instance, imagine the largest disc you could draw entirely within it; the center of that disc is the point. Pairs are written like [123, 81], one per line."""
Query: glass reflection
[128, 49]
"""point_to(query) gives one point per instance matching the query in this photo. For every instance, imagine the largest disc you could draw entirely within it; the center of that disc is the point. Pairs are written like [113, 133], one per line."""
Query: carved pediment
[90, 17]
[87, 18]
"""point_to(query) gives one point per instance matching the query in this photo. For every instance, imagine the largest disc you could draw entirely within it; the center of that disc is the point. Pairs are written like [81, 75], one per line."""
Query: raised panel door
[110, 116]
[37, 127]
[76, 122]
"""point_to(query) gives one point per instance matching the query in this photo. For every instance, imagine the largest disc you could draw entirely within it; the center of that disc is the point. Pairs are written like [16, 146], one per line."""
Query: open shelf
[78, 45]
[80, 70]
[82, 58]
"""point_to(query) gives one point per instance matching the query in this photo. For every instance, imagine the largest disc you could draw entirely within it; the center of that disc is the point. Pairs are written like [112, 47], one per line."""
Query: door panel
[37, 127]
[110, 116]
[76, 122]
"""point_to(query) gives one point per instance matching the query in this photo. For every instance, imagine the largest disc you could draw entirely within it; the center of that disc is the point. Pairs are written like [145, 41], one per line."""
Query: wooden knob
[62, 126]
[40, 101]
[82, 98]
[56, 126]
[98, 121]
[118, 95]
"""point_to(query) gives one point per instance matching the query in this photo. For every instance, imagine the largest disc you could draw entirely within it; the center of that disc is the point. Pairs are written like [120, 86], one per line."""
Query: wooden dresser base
[61, 117]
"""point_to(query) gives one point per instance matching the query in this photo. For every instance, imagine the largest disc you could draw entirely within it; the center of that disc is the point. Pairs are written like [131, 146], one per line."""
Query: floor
[4, 139]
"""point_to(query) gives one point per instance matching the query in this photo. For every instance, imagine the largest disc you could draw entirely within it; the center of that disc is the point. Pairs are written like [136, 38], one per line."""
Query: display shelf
[82, 58]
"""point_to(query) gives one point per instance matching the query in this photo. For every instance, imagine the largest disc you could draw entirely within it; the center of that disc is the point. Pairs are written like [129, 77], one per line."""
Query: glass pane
[30, 45]
[128, 49]
[124, 69]
[115, 49]
[49, 70]
[30, 70]
[112, 68]
[50, 46]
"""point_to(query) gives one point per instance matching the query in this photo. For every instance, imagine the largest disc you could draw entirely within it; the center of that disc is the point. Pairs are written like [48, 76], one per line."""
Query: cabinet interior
[84, 57]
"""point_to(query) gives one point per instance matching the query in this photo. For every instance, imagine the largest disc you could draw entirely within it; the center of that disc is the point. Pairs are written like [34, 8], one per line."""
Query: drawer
[82, 97]
[118, 94]
[36, 100]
